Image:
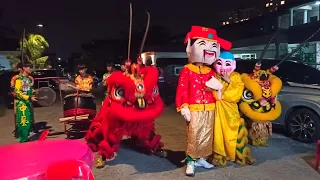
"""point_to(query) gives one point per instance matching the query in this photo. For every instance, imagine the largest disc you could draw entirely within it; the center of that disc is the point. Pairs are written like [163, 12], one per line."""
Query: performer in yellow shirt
[83, 81]
[230, 132]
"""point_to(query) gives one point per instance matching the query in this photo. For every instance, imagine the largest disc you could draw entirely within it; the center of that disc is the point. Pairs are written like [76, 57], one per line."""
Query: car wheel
[304, 125]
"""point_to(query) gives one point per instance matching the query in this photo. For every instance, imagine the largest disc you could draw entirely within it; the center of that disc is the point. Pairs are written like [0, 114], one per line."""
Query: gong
[46, 96]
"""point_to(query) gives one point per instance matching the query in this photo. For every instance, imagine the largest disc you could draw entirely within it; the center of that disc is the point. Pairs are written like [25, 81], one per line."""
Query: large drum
[80, 104]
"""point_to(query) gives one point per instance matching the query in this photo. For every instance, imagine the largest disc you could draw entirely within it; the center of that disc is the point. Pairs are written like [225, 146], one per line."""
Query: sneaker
[203, 163]
[32, 134]
[190, 169]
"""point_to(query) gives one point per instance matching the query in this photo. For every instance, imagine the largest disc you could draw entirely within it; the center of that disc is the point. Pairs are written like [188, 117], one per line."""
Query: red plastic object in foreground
[69, 170]
[317, 156]
[43, 135]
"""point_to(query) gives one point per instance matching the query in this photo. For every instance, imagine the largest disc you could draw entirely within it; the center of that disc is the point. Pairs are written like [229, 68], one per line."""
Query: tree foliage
[13, 60]
[301, 55]
[34, 45]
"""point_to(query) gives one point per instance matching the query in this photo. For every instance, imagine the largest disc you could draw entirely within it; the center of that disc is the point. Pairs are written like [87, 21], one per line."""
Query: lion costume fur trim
[252, 86]
[276, 85]
[262, 117]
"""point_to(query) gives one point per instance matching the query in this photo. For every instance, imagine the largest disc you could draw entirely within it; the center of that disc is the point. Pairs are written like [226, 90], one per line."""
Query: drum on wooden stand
[79, 104]
[78, 111]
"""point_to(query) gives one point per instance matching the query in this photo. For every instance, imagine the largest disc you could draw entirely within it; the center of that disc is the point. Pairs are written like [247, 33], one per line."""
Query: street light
[59, 59]
[40, 25]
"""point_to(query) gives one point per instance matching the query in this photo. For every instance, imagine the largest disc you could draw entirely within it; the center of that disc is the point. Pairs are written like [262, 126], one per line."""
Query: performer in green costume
[23, 103]
[12, 85]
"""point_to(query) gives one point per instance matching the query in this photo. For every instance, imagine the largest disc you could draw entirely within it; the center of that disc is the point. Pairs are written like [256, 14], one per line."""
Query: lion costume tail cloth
[230, 132]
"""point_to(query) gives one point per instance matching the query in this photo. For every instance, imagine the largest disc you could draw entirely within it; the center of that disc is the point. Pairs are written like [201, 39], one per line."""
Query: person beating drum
[83, 81]
[83, 86]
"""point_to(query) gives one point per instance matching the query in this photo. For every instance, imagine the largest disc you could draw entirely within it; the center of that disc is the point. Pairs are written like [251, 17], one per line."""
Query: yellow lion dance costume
[259, 103]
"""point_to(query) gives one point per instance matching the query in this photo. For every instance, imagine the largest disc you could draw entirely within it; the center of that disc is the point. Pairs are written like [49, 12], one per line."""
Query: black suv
[289, 71]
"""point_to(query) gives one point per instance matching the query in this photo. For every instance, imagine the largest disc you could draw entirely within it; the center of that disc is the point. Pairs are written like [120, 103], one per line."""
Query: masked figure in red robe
[194, 97]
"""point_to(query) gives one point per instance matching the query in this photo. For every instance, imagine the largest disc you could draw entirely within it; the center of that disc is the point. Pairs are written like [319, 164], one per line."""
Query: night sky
[68, 23]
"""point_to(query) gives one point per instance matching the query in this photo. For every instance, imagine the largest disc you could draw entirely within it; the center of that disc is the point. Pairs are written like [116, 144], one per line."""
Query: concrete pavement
[281, 160]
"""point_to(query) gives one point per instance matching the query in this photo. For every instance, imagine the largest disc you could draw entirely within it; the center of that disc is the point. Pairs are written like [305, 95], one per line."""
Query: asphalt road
[281, 160]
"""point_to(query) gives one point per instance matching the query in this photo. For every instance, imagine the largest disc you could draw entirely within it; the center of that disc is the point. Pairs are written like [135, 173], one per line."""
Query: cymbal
[46, 96]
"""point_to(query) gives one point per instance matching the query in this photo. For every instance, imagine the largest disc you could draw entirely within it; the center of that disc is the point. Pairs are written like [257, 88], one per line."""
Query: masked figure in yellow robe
[230, 133]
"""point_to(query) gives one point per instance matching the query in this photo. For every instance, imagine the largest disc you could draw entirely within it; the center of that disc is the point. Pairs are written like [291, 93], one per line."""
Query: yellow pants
[200, 134]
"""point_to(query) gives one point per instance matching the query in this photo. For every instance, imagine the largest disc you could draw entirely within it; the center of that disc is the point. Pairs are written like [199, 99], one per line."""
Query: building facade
[273, 5]
[297, 20]
[244, 14]
[239, 15]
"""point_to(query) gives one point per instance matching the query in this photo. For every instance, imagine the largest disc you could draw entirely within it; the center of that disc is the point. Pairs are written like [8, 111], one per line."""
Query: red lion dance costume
[129, 111]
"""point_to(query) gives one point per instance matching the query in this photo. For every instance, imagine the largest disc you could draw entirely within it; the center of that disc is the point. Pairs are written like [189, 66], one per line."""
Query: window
[271, 4]
[224, 23]
[177, 71]
[248, 56]
[313, 19]
[267, 5]
[282, 2]
[45, 73]
[245, 66]
[307, 76]
[227, 22]
[164, 62]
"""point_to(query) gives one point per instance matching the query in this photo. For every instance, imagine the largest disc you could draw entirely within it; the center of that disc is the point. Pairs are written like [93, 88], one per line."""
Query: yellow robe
[227, 117]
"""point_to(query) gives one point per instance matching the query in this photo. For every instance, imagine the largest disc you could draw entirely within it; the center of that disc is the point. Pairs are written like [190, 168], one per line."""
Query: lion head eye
[140, 86]
[119, 92]
[247, 94]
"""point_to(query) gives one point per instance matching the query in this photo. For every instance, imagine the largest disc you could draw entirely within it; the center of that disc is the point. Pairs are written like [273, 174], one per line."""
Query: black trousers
[164, 92]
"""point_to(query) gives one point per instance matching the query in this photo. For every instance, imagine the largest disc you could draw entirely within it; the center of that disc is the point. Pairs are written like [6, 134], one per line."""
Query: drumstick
[69, 85]
[42, 98]
[80, 117]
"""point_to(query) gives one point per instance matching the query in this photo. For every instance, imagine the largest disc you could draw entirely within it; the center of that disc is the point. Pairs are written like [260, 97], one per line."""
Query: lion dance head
[133, 95]
[259, 99]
